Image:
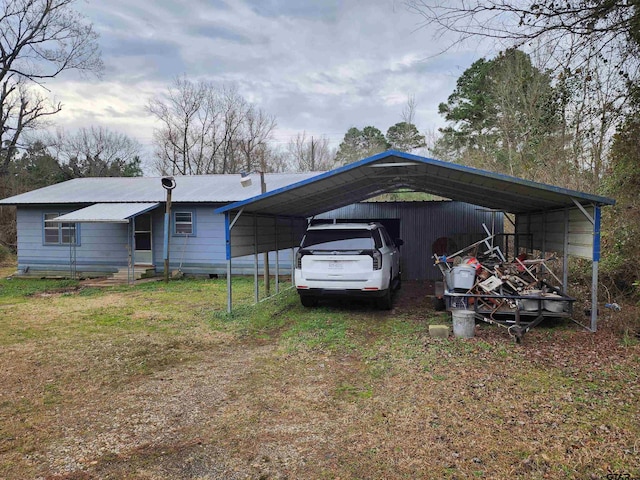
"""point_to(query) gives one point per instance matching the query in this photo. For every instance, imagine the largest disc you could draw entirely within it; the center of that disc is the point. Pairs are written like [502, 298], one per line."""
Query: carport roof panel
[391, 170]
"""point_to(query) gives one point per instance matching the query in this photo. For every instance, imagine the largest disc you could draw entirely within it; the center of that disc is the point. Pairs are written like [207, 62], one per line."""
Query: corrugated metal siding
[547, 231]
[196, 188]
[421, 224]
[289, 233]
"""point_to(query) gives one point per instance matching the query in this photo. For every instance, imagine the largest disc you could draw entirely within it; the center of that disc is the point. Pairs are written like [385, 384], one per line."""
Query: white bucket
[554, 303]
[464, 323]
[531, 305]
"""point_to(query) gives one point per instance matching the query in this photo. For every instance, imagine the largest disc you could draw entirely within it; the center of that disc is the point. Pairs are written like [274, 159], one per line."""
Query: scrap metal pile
[480, 278]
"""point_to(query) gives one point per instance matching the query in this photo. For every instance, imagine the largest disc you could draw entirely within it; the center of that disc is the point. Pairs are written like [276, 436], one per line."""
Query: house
[91, 227]
[99, 226]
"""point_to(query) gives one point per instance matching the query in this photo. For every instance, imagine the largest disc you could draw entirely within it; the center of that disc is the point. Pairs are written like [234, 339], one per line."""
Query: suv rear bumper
[327, 292]
[365, 282]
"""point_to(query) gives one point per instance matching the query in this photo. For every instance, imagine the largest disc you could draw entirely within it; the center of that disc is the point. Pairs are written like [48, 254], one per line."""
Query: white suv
[351, 259]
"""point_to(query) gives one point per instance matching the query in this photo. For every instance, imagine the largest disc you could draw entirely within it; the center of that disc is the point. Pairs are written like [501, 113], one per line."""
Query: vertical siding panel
[421, 224]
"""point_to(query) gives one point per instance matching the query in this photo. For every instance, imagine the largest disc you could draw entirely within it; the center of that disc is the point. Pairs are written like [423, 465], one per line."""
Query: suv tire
[308, 301]
[386, 301]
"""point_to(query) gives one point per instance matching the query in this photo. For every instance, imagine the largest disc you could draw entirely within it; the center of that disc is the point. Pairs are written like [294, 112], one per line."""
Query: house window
[183, 223]
[58, 233]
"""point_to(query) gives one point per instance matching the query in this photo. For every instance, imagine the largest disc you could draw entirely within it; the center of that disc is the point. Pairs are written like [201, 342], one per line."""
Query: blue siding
[198, 252]
[205, 252]
[103, 247]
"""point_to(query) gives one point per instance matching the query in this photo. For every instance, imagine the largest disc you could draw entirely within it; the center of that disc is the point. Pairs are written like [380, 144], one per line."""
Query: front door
[143, 253]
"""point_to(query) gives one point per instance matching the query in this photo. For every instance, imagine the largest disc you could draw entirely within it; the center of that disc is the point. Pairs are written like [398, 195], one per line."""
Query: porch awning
[106, 213]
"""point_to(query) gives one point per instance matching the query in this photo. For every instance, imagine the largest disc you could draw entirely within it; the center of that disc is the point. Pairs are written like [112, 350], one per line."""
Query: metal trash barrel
[464, 323]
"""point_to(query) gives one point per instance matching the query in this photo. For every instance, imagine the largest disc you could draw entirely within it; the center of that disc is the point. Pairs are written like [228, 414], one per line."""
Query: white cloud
[318, 66]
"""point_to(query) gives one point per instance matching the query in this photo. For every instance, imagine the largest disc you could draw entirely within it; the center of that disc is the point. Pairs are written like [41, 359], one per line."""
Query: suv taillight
[299, 255]
[377, 260]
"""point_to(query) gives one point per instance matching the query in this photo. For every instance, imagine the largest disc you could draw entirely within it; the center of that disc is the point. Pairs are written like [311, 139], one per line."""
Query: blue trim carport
[393, 170]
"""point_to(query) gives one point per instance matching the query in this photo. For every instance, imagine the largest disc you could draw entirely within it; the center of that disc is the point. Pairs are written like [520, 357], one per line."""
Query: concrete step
[138, 273]
[121, 277]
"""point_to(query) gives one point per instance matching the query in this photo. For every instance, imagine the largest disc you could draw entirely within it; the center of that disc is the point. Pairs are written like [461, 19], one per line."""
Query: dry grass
[151, 383]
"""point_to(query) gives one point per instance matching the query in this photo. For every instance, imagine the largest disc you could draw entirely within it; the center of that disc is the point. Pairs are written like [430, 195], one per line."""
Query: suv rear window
[339, 240]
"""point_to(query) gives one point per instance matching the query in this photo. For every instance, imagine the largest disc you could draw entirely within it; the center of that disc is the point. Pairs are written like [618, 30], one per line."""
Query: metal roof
[106, 213]
[197, 188]
[344, 226]
[392, 170]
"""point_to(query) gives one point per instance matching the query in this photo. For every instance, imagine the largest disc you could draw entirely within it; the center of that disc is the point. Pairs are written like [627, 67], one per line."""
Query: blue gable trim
[428, 161]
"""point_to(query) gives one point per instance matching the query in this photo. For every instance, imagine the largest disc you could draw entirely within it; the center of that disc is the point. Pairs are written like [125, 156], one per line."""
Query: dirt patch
[148, 417]
[57, 292]
[148, 390]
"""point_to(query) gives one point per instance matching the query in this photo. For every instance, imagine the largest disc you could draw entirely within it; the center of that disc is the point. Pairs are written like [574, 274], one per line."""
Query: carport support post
[594, 271]
[265, 267]
[227, 239]
[275, 230]
[293, 255]
[255, 258]
[130, 248]
[565, 253]
[133, 250]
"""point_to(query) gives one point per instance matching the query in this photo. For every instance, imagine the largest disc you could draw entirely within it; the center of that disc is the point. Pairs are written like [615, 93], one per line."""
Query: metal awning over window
[106, 213]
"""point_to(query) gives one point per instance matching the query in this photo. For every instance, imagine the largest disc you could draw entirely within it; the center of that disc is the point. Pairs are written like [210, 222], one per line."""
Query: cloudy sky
[320, 66]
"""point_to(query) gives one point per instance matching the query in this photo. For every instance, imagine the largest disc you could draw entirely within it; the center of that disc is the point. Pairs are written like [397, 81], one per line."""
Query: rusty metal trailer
[517, 295]
[516, 320]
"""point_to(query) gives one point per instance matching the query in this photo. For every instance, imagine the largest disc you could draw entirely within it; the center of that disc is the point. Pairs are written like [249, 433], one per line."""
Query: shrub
[5, 253]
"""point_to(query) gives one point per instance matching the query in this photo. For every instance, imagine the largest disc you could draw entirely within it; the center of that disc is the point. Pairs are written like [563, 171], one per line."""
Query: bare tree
[257, 130]
[95, 152]
[39, 39]
[207, 129]
[596, 102]
[579, 26]
[309, 154]
[186, 118]
[409, 110]
[276, 160]
[21, 110]
[234, 110]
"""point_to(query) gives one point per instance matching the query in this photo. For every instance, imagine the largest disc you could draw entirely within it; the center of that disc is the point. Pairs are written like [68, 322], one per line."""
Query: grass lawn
[157, 382]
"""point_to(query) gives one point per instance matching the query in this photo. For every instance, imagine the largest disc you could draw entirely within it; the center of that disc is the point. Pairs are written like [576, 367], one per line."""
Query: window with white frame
[183, 223]
[57, 233]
